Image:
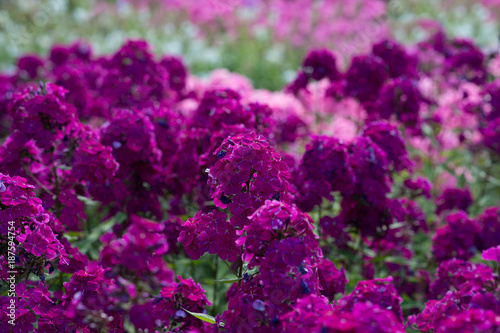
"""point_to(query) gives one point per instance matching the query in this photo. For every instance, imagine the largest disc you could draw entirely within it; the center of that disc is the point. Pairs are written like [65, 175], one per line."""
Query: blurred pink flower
[492, 254]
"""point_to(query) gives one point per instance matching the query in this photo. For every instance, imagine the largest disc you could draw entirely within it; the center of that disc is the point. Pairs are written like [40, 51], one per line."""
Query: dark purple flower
[319, 64]
[364, 78]
[454, 198]
[396, 58]
[458, 238]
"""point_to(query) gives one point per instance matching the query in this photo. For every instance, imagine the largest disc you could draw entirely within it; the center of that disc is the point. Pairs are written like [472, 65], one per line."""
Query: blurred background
[264, 40]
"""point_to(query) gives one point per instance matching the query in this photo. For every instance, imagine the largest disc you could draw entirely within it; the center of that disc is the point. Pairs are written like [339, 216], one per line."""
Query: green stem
[228, 266]
[486, 176]
[38, 182]
[361, 246]
[214, 308]
[319, 218]
[191, 266]
[240, 273]
[57, 190]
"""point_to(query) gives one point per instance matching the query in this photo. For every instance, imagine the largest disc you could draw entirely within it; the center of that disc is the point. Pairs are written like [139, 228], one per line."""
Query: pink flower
[492, 254]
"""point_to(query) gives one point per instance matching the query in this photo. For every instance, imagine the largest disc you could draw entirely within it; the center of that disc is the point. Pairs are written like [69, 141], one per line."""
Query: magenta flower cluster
[137, 196]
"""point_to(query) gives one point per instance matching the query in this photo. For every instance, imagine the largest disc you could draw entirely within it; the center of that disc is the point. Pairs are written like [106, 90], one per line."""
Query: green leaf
[461, 181]
[494, 180]
[201, 316]
[72, 236]
[450, 170]
[84, 245]
[369, 252]
[397, 225]
[120, 217]
[87, 201]
[397, 260]
[230, 280]
[429, 132]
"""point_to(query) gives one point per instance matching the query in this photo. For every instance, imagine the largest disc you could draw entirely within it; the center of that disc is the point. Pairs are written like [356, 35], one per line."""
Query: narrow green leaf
[369, 252]
[461, 181]
[397, 225]
[230, 280]
[397, 260]
[85, 243]
[87, 201]
[201, 316]
[494, 180]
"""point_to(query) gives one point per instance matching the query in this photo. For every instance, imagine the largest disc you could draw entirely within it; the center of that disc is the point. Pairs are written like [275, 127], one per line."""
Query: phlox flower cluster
[139, 197]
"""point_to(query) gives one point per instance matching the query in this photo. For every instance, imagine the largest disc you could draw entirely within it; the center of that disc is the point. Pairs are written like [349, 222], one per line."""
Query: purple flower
[389, 139]
[319, 64]
[401, 99]
[473, 320]
[93, 162]
[185, 294]
[324, 168]
[467, 62]
[396, 58]
[491, 135]
[380, 292]
[177, 72]
[456, 274]
[42, 115]
[458, 238]
[492, 254]
[421, 186]
[490, 227]
[29, 66]
[331, 279]
[250, 172]
[364, 78]
[210, 233]
[454, 198]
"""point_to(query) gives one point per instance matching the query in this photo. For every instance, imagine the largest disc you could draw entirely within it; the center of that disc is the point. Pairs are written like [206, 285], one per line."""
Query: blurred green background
[33, 26]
